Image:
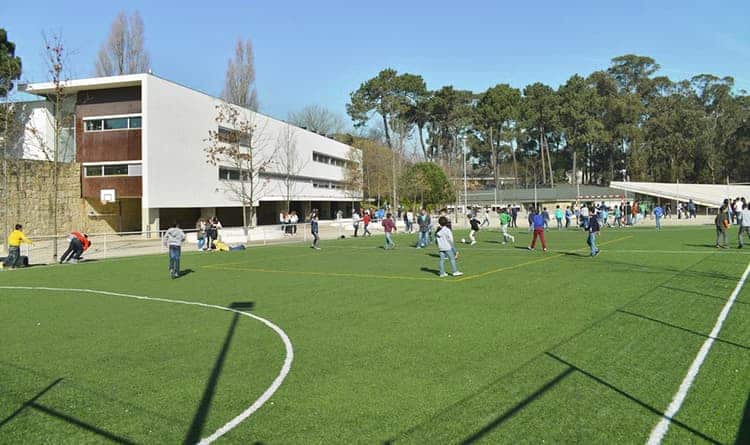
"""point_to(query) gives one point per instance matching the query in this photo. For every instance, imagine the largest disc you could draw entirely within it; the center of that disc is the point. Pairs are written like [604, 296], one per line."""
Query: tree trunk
[387, 133]
[541, 153]
[549, 161]
[421, 142]
[574, 176]
[515, 165]
[493, 155]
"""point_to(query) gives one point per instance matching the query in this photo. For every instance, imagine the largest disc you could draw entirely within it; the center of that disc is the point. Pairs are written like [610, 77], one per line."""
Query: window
[229, 136]
[111, 123]
[93, 170]
[232, 174]
[113, 170]
[120, 123]
[331, 160]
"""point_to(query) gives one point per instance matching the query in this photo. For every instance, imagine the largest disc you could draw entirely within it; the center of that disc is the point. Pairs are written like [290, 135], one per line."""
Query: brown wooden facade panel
[102, 146]
[125, 186]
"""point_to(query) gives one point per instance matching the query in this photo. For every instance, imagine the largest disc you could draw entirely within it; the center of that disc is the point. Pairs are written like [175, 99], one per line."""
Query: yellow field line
[527, 263]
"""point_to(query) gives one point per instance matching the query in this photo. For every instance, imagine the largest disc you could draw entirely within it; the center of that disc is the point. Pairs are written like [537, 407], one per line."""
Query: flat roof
[92, 83]
[709, 195]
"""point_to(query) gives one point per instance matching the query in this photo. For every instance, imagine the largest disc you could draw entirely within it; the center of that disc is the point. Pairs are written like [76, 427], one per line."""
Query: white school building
[141, 141]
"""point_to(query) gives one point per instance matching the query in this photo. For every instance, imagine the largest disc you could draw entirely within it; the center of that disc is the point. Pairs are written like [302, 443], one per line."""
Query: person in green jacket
[505, 220]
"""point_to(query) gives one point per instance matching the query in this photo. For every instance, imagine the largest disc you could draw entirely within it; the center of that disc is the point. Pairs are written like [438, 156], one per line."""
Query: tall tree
[10, 70]
[124, 51]
[389, 95]
[496, 112]
[539, 111]
[318, 119]
[289, 162]
[239, 82]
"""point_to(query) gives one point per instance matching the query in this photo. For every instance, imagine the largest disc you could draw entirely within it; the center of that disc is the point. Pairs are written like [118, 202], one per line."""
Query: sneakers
[544, 249]
[457, 274]
[443, 275]
[473, 242]
[530, 248]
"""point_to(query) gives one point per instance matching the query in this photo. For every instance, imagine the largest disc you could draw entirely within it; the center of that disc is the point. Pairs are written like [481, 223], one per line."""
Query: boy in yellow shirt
[15, 239]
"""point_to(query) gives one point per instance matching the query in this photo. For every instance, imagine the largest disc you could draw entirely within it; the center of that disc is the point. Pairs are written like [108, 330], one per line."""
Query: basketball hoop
[107, 196]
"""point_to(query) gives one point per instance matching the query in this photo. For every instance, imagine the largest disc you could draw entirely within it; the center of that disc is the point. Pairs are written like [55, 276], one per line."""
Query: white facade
[36, 141]
[176, 124]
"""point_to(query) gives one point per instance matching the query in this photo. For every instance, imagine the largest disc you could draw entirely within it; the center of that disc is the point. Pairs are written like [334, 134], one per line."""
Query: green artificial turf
[526, 347]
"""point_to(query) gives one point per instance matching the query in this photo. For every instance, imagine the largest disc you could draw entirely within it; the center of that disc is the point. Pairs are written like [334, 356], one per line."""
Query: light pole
[466, 193]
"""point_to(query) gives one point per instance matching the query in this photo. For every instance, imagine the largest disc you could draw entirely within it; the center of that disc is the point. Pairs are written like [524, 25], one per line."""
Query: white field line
[252, 408]
[657, 434]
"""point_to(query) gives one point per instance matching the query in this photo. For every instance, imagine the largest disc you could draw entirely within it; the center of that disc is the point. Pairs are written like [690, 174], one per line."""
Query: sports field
[354, 344]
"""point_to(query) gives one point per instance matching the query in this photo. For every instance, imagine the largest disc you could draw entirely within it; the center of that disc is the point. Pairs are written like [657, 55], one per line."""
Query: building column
[150, 222]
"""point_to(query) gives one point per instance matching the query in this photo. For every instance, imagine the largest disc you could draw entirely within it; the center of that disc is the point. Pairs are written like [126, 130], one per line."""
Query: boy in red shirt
[367, 220]
[389, 226]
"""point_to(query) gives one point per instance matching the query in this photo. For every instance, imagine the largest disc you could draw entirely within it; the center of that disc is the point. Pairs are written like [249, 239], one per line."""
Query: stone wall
[28, 201]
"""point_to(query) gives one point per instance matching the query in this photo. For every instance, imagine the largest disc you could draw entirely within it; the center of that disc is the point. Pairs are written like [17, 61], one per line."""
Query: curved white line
[258, 403]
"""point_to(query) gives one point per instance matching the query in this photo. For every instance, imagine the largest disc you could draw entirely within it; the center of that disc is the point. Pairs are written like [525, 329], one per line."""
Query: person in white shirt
[355, 222]
[173, 239]
[444, 237]
[585, 217]
[744, 223]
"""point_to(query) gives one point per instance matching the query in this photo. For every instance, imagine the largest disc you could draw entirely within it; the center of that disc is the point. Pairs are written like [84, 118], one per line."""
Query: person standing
[446, 247]
[200, 233]
[514, 217]
[545, 217]
[593, 231]
[355, 222]
[173, 239]
[504, 222]
[537, 222]
[584, 217]
[618, 215]
[658, 214]
[530, 219]
[314, 229]
[559, 217]
[486, 220]
[389, 226]
[722, 223]
[568, 216]
[474, 224]
[15, 239]
[744, 224]
[366, 220]
[424, 227]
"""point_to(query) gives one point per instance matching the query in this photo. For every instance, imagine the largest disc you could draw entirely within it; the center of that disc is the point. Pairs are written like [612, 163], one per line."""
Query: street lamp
[466, 194]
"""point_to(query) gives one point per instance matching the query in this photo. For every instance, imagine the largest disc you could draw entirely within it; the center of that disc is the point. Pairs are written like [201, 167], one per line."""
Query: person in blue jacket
[658, 213]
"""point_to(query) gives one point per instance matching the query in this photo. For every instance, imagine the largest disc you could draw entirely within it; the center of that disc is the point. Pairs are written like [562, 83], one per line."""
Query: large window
[229, 136]
[112, 170]
[232, 174]
[111, 123]
[331, 160]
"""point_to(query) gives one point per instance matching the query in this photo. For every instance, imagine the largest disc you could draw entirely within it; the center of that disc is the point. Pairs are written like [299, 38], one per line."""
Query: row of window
[326, 159]
[233, 174]
[112, 123]
[230, 136]
[112, 170]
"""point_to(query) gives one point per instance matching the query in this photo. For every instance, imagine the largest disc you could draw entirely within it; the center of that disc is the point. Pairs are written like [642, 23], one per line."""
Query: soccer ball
[463, 240]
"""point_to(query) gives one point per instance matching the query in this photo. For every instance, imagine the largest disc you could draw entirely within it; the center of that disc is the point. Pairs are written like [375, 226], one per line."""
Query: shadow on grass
[701, 294]
[712, 246]
[632, 398]
[204, 407]
[32, 404]
[517, 408]
[185, 272]
[743, 432]
[432, 271]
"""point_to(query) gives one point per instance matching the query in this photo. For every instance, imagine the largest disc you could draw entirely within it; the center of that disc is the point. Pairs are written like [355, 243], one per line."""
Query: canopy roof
[709, 195]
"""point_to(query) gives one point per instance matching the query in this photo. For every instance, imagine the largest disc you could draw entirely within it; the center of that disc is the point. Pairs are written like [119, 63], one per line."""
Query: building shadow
[743, 432]
[195, 430]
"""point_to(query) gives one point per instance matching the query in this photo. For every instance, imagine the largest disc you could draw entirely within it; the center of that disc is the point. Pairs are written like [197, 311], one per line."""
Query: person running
[366, 220]
[593, 231]
[15, 239]
[559, 217]
[722, 223]
[475, 225]
[486, 220]
[423, 220]
[537, 222]
[744, 229]
[446, 247]
[389, 226]
[505, 220]
[314, 229]
[658, 214]
[173, 239]
[78, 243]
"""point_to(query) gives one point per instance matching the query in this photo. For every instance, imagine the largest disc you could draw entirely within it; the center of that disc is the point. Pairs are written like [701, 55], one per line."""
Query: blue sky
[317, 52]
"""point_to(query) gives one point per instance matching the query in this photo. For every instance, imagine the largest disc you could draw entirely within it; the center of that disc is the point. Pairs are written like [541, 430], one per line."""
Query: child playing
[593, 231]
[537, 223]
[389, 226]
[474, 222]
[504, 222]
[444, 237]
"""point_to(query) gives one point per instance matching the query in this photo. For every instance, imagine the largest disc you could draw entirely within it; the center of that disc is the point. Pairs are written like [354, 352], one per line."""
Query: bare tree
[239, 83]
[289, 162]
[353, 174]
[318, 119]
[238, 143]
[124, 52]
